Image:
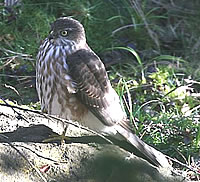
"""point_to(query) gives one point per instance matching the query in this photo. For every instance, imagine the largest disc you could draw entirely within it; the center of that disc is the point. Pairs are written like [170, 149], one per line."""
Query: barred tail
[153, 155]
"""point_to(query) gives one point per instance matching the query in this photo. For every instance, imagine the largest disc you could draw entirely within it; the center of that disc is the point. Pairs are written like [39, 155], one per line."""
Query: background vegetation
[150, 49]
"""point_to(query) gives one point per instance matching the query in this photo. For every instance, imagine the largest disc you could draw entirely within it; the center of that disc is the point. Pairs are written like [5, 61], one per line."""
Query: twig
[184, 165]
[24, 157]
[12, 88]
[51, 117]
[14, 76]
[180, 154]
[47, 158]
[7, 62]
[16, 53]
[8, 105]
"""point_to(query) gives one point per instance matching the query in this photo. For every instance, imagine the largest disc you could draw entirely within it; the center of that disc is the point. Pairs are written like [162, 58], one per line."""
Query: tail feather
[156, 157]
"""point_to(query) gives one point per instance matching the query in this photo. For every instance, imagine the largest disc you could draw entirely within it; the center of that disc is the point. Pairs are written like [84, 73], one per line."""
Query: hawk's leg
[56, 137]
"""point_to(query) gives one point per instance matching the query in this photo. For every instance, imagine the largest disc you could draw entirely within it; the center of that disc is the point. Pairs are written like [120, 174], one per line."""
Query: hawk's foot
[52, 138]
[56, 137]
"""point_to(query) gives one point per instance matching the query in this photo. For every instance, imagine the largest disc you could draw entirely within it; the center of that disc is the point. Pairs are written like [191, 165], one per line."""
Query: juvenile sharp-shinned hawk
[72, 83]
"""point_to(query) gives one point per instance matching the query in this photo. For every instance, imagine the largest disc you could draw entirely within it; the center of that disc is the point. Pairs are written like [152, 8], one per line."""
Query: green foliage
[160, 104]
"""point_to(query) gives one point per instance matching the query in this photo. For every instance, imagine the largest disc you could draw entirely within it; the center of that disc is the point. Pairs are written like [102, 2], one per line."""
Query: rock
[85, 158]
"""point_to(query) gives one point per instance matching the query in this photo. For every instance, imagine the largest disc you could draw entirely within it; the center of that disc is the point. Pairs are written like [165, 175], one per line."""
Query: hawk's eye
[64, 33]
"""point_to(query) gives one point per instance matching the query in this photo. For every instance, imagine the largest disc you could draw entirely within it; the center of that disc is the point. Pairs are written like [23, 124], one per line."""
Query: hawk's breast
[54, 85]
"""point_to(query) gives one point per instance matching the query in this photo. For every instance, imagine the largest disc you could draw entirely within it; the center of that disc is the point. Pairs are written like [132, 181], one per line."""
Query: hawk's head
[66, 31]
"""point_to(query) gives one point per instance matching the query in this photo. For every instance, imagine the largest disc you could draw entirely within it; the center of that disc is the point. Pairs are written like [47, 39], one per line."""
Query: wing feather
[95, 91]
[94, 88]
